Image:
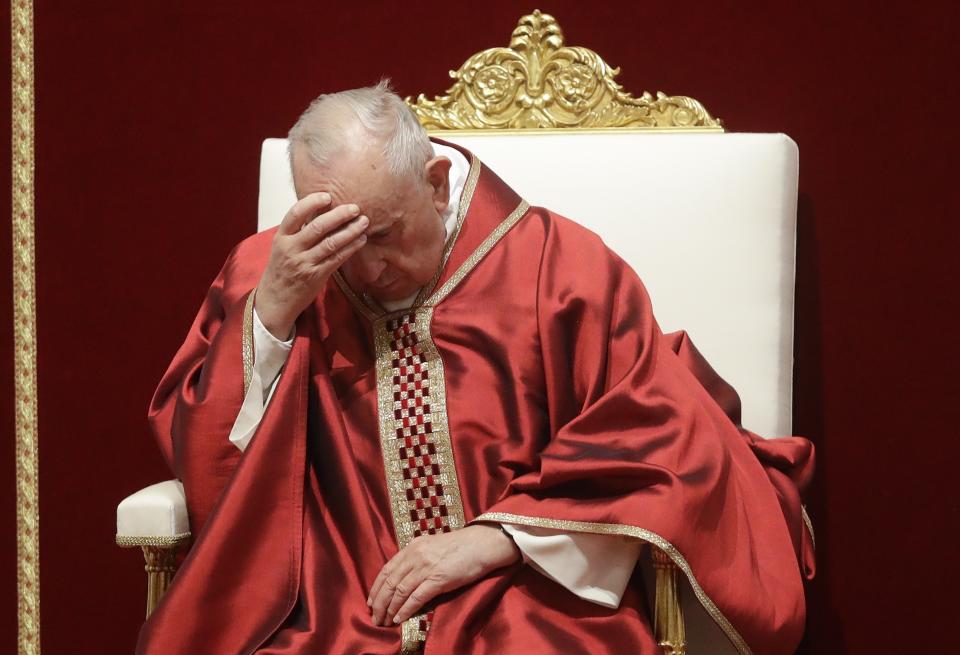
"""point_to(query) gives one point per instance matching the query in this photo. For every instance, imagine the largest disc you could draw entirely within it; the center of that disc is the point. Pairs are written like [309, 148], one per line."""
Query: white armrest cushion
[158, 511]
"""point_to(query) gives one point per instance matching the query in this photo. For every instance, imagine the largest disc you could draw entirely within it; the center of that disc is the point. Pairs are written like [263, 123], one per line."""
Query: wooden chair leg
[160, 567]
[668, 615]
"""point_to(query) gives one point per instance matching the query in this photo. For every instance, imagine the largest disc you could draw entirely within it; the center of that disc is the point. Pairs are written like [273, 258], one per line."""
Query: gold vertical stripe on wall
[25, 328]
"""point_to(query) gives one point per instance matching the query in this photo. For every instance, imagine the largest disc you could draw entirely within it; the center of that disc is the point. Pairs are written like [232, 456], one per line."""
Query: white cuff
[269, 356]
[269, 353]
[595, 567]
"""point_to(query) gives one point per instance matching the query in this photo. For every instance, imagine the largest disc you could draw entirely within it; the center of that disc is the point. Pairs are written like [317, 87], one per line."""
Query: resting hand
[433, 564]
[311, 243]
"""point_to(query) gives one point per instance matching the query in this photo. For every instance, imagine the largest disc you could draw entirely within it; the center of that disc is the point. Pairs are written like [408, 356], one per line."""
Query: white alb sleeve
[595, 567]
[269, 356]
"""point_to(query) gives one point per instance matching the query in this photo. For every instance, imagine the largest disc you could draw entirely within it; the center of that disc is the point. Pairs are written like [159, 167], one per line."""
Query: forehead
[361, 177]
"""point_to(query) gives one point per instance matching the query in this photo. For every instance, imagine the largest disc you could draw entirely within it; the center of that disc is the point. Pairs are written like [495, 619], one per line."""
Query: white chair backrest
[708, 221]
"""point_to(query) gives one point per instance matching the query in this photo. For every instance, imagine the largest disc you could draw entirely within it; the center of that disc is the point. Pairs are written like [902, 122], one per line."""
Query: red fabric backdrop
[150, 117]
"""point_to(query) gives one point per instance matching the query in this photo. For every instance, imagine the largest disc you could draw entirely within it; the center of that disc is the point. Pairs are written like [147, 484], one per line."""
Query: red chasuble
[528, 384]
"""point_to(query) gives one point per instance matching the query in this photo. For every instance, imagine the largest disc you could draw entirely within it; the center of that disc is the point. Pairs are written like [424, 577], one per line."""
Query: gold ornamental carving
[538, 82]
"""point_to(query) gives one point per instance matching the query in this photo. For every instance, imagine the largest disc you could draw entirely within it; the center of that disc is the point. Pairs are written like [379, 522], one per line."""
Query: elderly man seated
[421, 415]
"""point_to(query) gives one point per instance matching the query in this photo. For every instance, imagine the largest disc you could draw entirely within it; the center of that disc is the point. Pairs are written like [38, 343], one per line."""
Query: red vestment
[530, 384]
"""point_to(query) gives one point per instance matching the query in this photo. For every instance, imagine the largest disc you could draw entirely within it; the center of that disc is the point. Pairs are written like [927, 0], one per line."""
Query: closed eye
[381, 234]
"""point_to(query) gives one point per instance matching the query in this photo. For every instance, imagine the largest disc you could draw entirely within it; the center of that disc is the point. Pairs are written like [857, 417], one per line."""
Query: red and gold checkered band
[415, 439]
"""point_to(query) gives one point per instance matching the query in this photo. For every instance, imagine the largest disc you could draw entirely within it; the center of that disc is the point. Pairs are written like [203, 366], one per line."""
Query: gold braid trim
[23, 213]
[247, 341]
[637, 533]
[368, 312]
[485, 247]
[171, 541]
[807, 522]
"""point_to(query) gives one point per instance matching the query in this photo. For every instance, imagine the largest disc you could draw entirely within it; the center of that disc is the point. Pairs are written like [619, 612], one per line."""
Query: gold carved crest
[538, 82]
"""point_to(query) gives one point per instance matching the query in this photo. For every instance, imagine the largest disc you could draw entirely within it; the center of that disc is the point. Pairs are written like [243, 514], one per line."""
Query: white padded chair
[707, 219]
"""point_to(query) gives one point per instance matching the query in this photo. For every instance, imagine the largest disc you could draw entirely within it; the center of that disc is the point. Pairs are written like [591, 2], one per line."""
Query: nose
[367, 265]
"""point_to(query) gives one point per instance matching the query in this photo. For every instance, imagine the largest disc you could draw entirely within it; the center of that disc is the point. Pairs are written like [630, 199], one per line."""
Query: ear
[438, 177]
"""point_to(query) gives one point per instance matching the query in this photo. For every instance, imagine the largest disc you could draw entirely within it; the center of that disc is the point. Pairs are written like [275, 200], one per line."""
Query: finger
[388, 568]
[378, 581]
[375, 588]
[405, 587]
[423, 594]
[314, 231]
[338, 239]
[303, 211]
[344, 253]
[378, 607]
[386, 591]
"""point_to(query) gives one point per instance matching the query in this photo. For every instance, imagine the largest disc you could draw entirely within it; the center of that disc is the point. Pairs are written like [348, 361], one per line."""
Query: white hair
[324, 128]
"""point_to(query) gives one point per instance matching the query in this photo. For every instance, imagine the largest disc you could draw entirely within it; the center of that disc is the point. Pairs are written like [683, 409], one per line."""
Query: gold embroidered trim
[247, 341]
[807, 522]
[396, 484]
[171, 541]
[441, 423]
[355, 300]
[466, 197]
[415, 443]
[637, 533]
[478, 254]
[410, 643]
[413, 634]
[22, 168]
